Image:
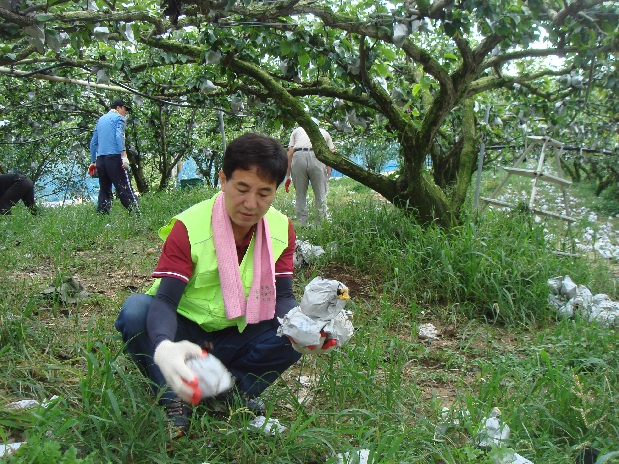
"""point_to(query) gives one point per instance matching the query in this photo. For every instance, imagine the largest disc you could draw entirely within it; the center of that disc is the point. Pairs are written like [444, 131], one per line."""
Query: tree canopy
[417, 74]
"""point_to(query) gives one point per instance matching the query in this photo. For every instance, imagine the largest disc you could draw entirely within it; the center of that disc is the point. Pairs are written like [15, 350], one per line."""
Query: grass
[483, 285]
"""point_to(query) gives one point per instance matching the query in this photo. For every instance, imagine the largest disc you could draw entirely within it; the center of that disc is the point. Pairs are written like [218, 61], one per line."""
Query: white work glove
[125, 161]
[171, 358]
[213, 377]
[324, 346]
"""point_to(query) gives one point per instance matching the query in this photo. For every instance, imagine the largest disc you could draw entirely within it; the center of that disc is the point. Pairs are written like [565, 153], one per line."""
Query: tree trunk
[578, 166]
[467, 156]
[572, 171]
[135, 159]
[138, 171]
[603, 185]
[425, 200]
[164, 167]
[445, 168]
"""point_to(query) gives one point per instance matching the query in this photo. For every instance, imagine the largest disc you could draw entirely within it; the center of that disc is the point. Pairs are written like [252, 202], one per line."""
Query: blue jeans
[256, 357]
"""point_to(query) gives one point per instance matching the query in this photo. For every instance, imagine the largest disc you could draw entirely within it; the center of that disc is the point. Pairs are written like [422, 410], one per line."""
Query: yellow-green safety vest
[202, 300]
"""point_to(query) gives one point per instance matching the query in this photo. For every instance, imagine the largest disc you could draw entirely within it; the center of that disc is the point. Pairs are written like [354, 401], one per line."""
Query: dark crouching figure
[15, 187]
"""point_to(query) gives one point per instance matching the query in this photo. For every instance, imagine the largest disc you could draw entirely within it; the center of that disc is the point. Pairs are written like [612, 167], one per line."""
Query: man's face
[247, 198]
[122, 110]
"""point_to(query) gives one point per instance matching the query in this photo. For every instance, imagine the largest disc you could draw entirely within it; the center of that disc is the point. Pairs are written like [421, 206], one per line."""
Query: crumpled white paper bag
[320, 299]
[320, 310]
[213, 377]
[300, 327]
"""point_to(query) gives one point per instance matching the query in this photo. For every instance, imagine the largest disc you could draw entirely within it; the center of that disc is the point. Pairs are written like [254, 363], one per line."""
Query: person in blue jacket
[108, 158]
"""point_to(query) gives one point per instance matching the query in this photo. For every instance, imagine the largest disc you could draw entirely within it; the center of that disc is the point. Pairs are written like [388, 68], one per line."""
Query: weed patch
[483, 285]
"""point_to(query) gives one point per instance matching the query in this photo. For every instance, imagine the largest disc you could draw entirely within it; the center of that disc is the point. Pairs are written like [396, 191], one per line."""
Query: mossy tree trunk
[467, 156]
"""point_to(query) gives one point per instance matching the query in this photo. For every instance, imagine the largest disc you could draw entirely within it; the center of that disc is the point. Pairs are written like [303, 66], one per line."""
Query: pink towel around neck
[260, 303]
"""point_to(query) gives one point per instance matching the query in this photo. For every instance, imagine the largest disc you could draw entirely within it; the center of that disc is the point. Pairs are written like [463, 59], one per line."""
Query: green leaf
[284, 46]
[304, 59]
[76, 42]
[114, 404]
[607, 27]
[536, 7]
[388, 54]
[450, 56]
[416, 89]
[514, 17]
[450, 28]
[545, 358]
[44, 17]
[381, 69]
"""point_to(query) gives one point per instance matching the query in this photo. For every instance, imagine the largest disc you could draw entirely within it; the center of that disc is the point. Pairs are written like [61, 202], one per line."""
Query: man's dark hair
[120, 102]
[265, 154]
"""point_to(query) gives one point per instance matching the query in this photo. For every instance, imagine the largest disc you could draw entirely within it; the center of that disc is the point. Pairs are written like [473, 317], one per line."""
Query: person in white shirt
[303, 168]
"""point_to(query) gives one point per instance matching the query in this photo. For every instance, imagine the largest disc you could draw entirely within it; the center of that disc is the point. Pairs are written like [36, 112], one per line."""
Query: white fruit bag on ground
[213, 377]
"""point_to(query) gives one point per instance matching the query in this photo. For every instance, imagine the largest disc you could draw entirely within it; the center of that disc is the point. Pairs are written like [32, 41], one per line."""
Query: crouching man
[223, 278]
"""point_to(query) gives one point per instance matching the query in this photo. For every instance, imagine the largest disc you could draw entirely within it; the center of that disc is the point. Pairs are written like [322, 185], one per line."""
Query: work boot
[177, 416]
[234, 400]
[256, 405]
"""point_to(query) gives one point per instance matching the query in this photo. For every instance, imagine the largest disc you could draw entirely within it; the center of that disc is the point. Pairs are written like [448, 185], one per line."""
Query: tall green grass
[554, 381]
[495, 268]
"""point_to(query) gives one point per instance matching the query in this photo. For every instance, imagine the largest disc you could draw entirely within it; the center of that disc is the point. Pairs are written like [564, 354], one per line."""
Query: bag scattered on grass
[493, 432]
[70, 291]
[492, 435]
[321, 310]
[305, 253]
[267, 426]
[569, 299]
[356, 457]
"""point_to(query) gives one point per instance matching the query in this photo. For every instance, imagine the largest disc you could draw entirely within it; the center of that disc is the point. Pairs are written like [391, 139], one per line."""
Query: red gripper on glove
[196, 395]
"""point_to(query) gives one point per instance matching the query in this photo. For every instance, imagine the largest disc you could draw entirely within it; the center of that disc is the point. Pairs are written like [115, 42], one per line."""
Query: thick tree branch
[573, 9]
[89, 17]
[485, 47]
[20, 20]
[468, 58]
[64, 80]
[491, 82]
[173, 46]
[19, 56]
[437, 9]
[393, 114]
[531, 53]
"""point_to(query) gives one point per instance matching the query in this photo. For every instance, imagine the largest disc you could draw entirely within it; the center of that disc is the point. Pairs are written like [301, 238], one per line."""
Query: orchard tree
[411, 69]
[42, 133]
[581, 115]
